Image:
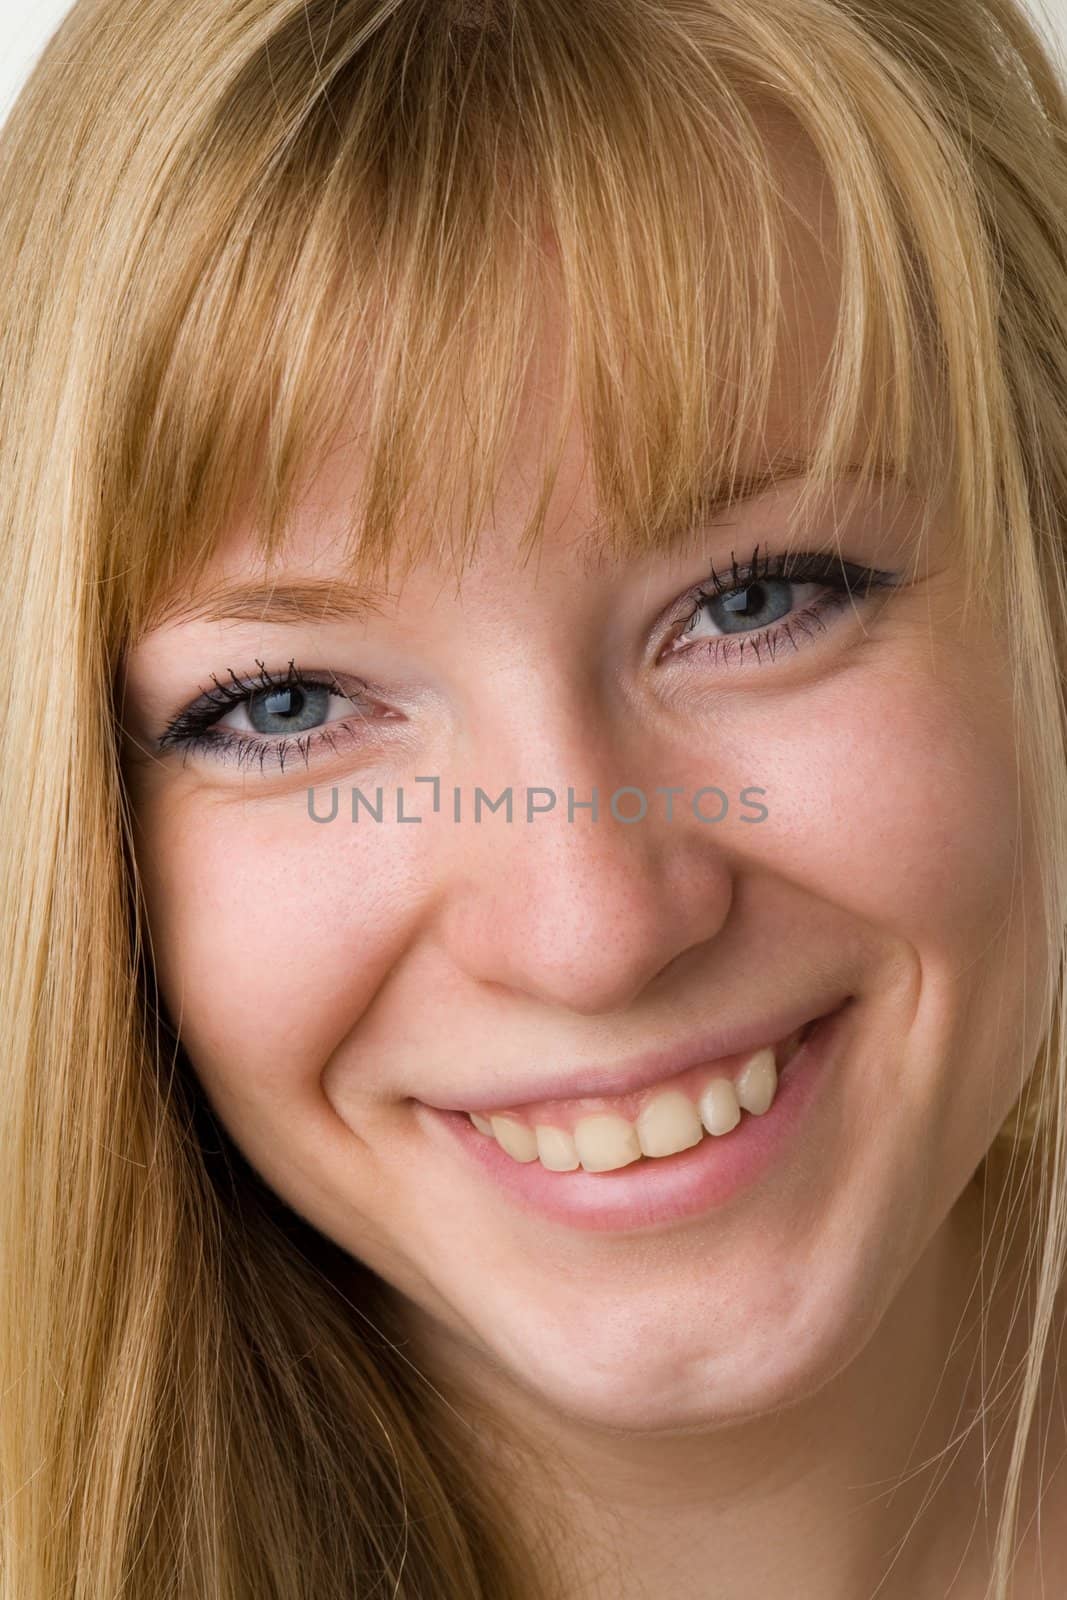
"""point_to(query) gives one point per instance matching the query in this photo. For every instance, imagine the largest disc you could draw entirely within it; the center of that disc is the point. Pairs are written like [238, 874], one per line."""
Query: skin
[736, 1395]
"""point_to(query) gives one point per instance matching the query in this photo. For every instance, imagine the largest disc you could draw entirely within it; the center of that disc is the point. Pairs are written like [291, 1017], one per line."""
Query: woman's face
[333, 978]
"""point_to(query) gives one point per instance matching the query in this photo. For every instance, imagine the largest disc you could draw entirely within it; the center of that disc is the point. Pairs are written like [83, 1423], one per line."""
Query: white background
[25, 25]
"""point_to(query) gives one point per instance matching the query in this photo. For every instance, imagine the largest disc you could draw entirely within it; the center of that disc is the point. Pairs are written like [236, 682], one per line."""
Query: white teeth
[667, 1124]
[719, 1107]
[605, 1142]
[757, 1083]
[557, 1149]
[515, 1137]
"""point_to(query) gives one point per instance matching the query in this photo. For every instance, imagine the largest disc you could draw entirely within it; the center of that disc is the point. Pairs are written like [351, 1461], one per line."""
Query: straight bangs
[352, 239]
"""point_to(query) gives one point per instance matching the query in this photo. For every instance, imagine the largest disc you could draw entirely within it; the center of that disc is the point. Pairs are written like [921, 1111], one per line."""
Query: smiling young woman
[539, 1179]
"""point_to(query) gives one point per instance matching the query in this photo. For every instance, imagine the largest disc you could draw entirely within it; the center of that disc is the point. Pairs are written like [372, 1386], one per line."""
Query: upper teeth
[672, 1119]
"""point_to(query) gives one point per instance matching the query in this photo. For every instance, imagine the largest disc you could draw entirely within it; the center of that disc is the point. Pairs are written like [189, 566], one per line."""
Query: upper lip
[640, 1071]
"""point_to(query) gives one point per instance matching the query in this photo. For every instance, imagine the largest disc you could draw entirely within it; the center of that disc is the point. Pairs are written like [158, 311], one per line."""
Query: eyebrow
[284, 601]
[311, 600]
[720, 497]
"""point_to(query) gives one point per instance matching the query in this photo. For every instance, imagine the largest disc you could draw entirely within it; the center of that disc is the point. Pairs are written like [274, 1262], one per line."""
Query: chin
[632, 1367]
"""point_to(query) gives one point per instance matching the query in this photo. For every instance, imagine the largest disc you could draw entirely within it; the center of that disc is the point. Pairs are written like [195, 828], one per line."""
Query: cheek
[896, 800]
[272, 934]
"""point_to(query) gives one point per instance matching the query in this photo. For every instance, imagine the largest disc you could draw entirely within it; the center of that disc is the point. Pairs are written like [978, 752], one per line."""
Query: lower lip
[655, 1192]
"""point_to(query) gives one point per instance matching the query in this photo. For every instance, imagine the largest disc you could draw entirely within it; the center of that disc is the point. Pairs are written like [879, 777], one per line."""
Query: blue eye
[294, 706]
[755, 606]
[767, 600]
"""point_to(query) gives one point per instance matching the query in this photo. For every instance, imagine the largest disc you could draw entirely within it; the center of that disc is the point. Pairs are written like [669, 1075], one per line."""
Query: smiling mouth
[603, 1133]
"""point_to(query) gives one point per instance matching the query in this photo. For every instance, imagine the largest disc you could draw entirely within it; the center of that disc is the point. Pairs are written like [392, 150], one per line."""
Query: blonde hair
[218, 224]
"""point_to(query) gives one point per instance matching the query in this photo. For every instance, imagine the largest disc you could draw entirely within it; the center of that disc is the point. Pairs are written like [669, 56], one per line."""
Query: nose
[585, 914]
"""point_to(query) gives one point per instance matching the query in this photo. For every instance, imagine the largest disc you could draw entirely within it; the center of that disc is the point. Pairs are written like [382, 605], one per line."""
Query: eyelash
[192, 729]
[843, 578]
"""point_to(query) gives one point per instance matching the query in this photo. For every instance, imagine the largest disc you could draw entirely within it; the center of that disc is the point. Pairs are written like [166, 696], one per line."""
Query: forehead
[318, 533]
